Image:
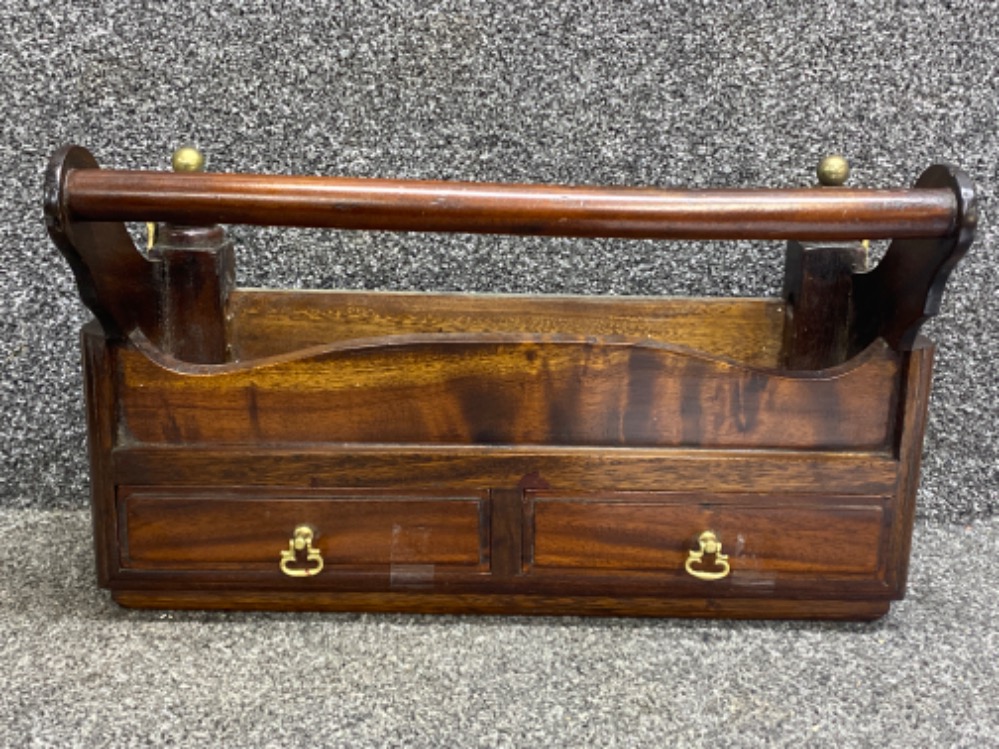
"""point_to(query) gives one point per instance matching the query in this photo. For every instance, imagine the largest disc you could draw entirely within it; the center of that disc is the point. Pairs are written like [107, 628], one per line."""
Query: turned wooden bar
[804, 214]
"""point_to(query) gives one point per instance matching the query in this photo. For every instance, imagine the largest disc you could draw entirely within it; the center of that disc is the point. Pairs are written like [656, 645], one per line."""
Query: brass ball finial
[833, 170]
[188, 159]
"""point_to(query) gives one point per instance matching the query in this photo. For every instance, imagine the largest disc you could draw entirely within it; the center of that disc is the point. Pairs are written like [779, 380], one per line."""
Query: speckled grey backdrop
[637, 93]
[698, 93]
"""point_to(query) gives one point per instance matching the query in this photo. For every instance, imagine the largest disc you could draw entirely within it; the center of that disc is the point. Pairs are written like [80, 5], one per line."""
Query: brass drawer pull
[709, 544]
[301, 541]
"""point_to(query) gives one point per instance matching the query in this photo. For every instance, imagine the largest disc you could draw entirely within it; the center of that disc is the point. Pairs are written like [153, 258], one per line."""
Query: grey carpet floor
[79, 671]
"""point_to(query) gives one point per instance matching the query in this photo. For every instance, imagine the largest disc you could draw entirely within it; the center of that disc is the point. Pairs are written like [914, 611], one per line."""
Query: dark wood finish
[466, 466]
[509, 389]
[116, 282]
[197, 267]
[101, 397]
[818, 299]
[406, 205]
[915, 395]
[269, 323]
[428, 603]
[505, 531]
[765, 537]
[933, 225]
[500, 454]
[894, 299]
[175, 530]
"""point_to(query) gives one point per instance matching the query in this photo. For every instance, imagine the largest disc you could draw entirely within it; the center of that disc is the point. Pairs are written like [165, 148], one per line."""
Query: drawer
[769, 541]
[246, 531]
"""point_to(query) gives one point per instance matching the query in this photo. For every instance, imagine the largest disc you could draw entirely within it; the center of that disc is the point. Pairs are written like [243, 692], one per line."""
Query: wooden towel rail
[410, 205]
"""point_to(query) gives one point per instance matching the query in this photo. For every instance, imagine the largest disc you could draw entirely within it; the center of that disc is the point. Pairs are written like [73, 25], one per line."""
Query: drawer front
[247, 531]
[769, 541]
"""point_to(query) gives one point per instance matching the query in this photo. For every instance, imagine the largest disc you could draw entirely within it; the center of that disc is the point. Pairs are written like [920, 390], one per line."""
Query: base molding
[423, 603]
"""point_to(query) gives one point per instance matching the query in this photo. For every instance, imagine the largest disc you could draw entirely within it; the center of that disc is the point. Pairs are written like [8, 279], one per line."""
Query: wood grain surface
[501, 454]
[503, 389]
[245, 530]
[268, 323]
[506, 604]
[474, 467]
[411, 205]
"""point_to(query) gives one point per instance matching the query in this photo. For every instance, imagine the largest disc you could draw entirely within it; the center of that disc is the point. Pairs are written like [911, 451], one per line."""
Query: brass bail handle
[707, 543]
[300, 542]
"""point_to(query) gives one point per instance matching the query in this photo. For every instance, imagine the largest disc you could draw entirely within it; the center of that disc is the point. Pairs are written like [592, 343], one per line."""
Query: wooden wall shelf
[504, 454]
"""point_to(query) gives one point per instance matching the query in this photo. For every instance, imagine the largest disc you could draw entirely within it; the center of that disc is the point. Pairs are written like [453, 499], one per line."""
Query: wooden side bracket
[116, 281]
[905, 289]
[175, 296]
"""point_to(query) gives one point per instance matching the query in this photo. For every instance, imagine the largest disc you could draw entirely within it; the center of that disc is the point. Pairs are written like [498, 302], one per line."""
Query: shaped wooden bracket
[176, 296]
[116, 281]
[894, 299]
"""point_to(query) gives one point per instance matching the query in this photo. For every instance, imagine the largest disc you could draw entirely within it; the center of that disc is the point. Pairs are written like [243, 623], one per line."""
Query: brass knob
[185, 159]
[188, 159]
[833, 170]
